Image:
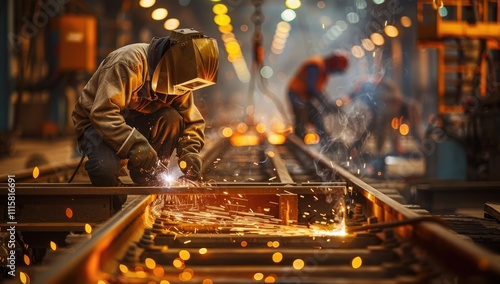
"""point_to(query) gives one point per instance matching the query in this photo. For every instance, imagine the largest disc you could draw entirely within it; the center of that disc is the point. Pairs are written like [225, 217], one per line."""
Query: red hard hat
[337, 62]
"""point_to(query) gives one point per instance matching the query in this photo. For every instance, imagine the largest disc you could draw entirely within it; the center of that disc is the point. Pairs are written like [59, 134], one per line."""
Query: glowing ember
[258, 276]
[182, 164]
[26, 259]
[186, 275]
[150, 263]
[298, 264]
[184, 254]
[277, 257]
[69, 213]
[178, 263]
[24, 278]
[140, 274]
[36, 172]
[158, 271]
[356, 262]
[270, 279]
[123, 268]
[53, 245]
[88, 228]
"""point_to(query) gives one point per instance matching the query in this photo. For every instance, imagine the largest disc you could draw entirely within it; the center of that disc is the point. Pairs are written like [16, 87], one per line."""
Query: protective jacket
[122, 83]
[302, 86]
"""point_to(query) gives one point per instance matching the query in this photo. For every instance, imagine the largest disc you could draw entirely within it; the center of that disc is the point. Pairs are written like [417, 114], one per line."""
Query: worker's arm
[115, 85]
[193, 139]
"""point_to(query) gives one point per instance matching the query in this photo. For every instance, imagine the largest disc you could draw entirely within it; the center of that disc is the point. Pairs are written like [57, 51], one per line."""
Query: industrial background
[443, 56]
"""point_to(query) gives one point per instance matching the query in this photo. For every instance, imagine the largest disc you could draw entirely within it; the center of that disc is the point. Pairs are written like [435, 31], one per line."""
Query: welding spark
[166, 178]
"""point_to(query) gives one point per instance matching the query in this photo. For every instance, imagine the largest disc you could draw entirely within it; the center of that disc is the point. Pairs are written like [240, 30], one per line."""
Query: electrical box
[76, 47]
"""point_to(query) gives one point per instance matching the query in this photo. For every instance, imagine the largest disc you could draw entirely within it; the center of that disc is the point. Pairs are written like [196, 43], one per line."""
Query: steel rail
[87, 264]
[279, 164]
[248, 188]
[462, 257]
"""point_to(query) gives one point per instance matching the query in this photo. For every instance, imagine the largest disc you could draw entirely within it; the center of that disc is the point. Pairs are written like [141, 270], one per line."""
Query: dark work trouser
[162, 129]
[305, 112]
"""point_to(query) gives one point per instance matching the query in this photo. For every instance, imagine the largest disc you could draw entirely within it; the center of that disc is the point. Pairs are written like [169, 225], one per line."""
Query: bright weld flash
[166, 178]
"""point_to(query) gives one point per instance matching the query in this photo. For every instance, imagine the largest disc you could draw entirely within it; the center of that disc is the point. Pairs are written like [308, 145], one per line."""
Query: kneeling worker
[139, 106]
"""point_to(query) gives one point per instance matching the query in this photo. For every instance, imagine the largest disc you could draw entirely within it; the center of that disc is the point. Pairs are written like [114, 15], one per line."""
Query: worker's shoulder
[313, 61]
[131, 54]
[134, 47]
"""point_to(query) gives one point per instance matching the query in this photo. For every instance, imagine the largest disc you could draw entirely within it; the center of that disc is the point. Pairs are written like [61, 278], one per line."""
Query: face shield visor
[188, 65]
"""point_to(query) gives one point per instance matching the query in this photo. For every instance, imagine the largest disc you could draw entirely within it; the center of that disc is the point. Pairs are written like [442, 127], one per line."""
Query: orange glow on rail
[247, 139]
[276, 139]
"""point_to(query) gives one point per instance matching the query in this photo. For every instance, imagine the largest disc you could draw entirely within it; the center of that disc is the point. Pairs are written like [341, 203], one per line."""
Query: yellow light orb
[159, 14]
[219, 9]
[171, 24]
[404, 129]
[391, 31]
[147, 3]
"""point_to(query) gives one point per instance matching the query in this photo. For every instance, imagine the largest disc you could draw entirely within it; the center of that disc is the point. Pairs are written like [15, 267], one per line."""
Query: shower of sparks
[189, 215]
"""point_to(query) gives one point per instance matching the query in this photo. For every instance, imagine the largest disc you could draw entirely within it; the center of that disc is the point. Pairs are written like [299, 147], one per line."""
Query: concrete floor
[34, 152]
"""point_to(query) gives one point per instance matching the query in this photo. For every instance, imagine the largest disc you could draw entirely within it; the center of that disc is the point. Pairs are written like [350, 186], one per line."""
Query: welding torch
[159, 168]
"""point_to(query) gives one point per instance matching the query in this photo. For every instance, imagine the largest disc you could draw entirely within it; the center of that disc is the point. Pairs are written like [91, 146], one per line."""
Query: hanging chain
[257, 19]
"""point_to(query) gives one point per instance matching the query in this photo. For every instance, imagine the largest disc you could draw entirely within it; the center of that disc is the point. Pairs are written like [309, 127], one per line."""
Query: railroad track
[264, 213]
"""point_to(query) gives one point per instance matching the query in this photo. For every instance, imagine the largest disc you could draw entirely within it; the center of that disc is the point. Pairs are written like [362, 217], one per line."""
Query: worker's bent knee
[103, 172]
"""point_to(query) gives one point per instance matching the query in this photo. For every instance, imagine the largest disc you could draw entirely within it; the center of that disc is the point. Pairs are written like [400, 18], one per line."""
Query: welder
[138, 107]
[306, 92]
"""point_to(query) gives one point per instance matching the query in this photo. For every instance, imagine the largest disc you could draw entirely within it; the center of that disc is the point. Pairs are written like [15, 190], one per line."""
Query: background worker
[376, 107]
[306, 92]
[138, 105]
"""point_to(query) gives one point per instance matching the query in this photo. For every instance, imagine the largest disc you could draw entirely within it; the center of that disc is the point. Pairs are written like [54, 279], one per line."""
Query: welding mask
[191, 63]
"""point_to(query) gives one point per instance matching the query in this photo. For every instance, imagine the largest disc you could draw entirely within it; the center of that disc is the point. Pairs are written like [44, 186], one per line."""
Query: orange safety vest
[298, 83]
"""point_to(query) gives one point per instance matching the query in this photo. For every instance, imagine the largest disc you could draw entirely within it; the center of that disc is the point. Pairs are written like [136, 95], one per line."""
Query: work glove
[143, 156]
[139, 152]
[190, 165]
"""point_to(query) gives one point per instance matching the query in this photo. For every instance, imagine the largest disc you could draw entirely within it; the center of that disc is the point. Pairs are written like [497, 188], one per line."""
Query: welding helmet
[191, 63]
[337, 62]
